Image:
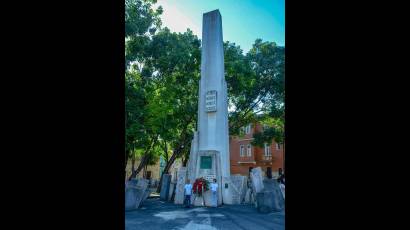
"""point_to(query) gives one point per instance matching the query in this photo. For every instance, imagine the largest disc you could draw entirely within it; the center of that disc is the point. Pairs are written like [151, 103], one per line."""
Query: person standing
[282, 189]
[281, 178]
[281, 181]
[188, 192]
[214, 189]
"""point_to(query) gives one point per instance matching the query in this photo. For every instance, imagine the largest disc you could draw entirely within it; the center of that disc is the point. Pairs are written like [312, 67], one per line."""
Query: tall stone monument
[209, 157]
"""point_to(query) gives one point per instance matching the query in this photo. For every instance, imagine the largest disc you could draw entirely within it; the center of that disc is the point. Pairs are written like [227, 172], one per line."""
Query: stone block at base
[179, 190]
[135, 193]
[270, 199]
[166, 181]
[198, 201]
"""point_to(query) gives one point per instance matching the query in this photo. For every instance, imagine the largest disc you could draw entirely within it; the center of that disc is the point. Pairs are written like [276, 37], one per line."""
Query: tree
[268, 62]
[174, 64]
[134, 115]
[242, 87]
[256, 88]
[141, 22]
[162, 82]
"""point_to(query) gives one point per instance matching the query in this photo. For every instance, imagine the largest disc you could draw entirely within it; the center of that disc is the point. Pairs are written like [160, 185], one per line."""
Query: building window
[242, 151]
[269, 172]
[277, 146]
[248, 129]
[149, 175]
[249, 150]
[245, 129]
[267, 150]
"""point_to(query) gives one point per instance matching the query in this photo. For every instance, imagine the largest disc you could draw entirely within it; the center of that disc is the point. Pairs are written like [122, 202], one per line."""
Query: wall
[153, 168]
[240, 165]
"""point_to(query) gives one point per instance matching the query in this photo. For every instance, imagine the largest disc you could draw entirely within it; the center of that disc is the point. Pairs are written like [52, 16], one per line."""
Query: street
[155, 214]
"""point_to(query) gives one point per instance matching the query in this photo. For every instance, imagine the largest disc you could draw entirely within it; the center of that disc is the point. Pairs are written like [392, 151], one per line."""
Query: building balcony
[247, 162]
[266, 158]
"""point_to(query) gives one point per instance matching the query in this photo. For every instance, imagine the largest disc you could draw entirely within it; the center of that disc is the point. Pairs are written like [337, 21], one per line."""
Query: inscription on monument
[210, 101]
[210, 178]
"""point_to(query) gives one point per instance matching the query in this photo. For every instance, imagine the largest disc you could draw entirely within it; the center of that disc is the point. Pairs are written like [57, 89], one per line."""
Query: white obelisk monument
[209, 157]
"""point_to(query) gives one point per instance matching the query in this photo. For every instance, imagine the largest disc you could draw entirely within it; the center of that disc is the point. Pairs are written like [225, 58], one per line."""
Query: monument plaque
[210, 101]
[206, 162]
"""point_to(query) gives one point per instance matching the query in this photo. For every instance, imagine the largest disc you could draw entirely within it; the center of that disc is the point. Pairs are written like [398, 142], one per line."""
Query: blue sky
[243, 21]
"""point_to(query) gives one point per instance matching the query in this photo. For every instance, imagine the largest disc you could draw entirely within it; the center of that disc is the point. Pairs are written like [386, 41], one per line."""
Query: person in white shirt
[188, 192]
[282, 189]
[214, 189]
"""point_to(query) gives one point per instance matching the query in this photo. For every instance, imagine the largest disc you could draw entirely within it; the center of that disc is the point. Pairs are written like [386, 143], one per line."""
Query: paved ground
[156, 214]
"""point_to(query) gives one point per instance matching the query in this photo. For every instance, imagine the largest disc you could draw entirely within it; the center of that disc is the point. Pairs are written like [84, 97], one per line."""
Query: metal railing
[267, 158]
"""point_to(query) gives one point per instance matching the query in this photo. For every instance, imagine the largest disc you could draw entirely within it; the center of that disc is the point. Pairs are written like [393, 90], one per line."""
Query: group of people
[188, 193]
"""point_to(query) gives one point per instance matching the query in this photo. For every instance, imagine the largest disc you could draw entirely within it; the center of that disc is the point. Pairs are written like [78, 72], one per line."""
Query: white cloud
[176, 20]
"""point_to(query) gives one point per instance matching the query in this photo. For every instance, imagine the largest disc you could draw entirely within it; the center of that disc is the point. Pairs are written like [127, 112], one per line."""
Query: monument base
[231, 189]
[198, 201]
[234, 189]
[208, 166]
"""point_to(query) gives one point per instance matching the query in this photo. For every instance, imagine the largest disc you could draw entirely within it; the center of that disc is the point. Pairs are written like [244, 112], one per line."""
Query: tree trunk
[140, 166]
[175, 154]
[283, 156]
[126, 162]
[165, 149]
[186, 153]
[144, 160]
[182, 142]
[166, 152]
[126, 158]
[166, 169]
[133, 164]
[185, 161]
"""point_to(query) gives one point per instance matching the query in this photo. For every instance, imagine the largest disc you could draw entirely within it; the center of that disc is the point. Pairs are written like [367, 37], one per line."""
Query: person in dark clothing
[281, 178]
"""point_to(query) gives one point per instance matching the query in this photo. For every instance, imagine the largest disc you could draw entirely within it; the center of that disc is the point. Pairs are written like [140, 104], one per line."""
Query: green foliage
[140, 18]
[274, 130]
[175, 59]
[256, 87]
[241, 82]
[141, 22]
[153, 156]
[134, 113]
[161, 83]
[268, 61]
